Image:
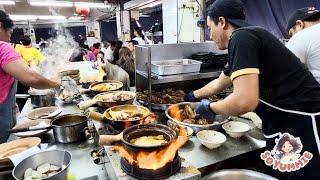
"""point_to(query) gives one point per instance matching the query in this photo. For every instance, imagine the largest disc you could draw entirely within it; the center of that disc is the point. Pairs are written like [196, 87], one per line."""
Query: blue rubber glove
[204, 110]
[190, 97]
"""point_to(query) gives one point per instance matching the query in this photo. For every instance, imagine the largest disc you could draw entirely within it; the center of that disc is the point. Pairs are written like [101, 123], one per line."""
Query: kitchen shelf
[203, 74]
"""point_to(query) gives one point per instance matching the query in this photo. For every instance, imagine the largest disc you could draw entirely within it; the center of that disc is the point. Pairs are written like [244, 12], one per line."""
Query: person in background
[22, 51]
[109, 52]
[96, 48]
[89, 56]
[12, 68]
[105, 46]
[304, 27]
[34, 62]
[100, 57]
[116, 52]
[139, 36]
[131, 46]
[37, 56]
[99, 65]
[126, 62]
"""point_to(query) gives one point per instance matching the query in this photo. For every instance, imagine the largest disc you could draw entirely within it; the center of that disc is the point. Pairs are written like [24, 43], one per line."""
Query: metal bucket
[56, 157]
[238, 174]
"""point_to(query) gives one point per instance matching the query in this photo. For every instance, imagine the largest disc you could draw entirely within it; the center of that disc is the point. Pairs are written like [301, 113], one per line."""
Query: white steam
[58, 51]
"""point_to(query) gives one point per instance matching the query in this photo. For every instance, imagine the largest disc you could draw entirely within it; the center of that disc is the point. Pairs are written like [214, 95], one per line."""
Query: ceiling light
[91, 5]
[74, 18]
[51, 17]
[7, 2]
[51, 3]
[16, 17]
[154, 4]
[22, 17]
[150, 5]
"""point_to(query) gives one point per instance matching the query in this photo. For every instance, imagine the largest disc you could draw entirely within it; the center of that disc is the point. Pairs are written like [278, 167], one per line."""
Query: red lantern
[83, 11]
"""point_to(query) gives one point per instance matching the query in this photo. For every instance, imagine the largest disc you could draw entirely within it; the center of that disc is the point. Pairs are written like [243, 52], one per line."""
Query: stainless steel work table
[82, 165]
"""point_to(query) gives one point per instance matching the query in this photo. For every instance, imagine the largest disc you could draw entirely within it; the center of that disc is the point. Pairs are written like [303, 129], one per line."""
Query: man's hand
[190, 97]
[205, 111]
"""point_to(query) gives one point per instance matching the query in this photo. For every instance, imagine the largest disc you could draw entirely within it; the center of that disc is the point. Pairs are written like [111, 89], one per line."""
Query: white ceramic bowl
[211, 139]
[235, 128]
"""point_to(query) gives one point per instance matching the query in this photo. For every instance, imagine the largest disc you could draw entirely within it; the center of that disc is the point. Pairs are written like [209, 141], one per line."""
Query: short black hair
[134, 42]
[97, 45]
[7, 23]
[139, 31]
[100, 52]
[112, 43]
[26, 40]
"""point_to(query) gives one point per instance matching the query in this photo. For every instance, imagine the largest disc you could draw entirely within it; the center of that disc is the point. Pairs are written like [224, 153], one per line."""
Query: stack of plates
[73, 73]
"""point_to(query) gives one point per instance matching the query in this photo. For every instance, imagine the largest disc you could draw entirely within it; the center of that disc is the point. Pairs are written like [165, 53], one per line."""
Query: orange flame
[155, 159]
[175, 112]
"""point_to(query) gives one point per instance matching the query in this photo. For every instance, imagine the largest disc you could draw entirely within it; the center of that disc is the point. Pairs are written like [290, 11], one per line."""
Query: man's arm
[214, 87]
[27, 76]
[245, 97]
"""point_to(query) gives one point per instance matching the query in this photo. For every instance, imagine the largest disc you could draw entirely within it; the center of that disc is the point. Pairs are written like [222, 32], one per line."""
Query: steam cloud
[59, 48]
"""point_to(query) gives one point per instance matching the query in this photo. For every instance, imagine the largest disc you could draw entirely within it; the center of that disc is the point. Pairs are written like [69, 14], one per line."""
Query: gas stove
[178, 169]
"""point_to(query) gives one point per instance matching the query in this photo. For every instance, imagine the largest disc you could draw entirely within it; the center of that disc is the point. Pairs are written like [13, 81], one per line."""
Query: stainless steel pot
[238, 174]
[69, 128]
[55, 157]
[40, 98]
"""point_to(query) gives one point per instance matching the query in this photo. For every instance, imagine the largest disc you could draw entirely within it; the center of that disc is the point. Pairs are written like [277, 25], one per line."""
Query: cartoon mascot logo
[286, 154]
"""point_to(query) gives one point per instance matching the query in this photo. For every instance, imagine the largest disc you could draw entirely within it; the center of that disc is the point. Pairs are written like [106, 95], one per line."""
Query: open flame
[176, 113]
[155, 159]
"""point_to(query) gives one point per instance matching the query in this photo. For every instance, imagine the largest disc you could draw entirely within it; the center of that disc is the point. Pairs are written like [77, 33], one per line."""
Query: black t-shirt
[283, 80]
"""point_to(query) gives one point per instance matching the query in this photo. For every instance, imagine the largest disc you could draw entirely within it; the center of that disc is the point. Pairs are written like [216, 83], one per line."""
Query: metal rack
[146, 54]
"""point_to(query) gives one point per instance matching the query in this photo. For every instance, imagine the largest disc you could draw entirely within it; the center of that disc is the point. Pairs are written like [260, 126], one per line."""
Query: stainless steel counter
[201, 157]
[193, 152]
[82, 165]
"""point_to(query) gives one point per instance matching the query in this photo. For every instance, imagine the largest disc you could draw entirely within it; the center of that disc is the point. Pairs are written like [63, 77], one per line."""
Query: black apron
[8, 113]
[277, 121]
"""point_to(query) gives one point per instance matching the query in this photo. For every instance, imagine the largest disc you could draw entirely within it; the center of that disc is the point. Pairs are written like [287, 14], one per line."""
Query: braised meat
[189, 116]
[167, 96]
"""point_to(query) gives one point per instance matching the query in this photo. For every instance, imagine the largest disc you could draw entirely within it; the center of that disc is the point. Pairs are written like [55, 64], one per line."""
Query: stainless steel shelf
[203, 74]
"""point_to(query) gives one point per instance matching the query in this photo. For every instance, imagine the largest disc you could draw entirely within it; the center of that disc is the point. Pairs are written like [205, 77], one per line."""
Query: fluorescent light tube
[51, 3]
[91, 5]
[51, 17]
[7, 2]
[75, 18]
[22, 17]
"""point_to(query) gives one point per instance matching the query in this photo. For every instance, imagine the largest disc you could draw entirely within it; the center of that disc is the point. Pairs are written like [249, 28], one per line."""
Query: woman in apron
[11, 69]
[270, 79]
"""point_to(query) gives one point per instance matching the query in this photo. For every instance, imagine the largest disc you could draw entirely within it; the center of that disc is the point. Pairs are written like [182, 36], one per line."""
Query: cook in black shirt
[268, 79]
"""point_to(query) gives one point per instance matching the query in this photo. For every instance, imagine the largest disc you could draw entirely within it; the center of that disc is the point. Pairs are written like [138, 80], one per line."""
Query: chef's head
[302, 18]
[6, 27]
[223, 17]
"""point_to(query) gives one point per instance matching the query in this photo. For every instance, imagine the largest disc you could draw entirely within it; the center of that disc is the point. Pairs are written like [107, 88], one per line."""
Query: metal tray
[161, 107]
[175, 66]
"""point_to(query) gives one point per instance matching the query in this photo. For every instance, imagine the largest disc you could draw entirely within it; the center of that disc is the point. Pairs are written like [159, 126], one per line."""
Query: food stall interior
[153, 60]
